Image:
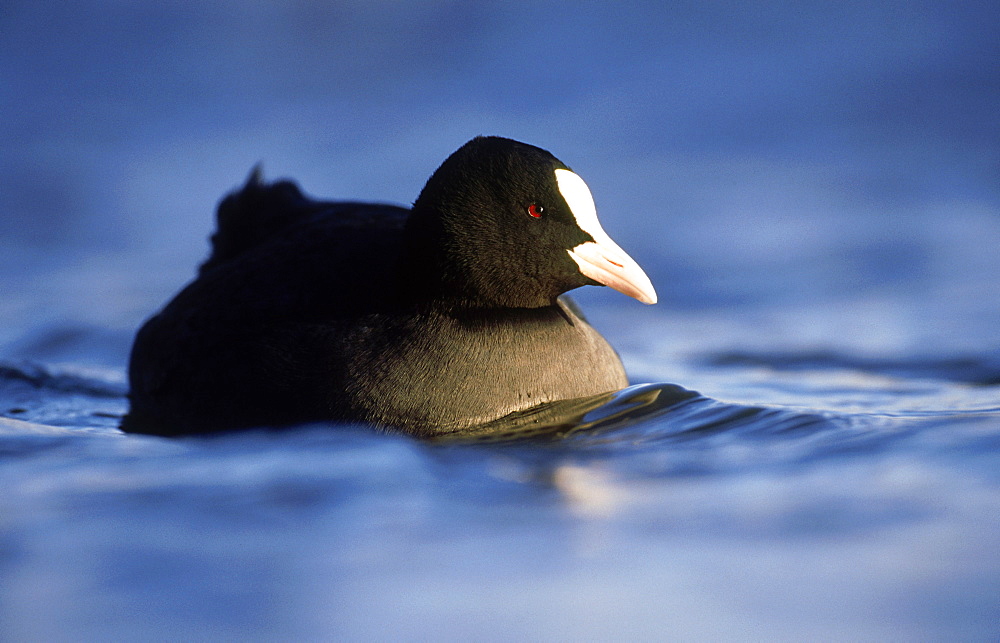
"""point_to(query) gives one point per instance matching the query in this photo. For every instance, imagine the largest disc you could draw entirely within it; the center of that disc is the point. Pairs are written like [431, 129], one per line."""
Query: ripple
[681, 413]
[65, 396]
[981, 369]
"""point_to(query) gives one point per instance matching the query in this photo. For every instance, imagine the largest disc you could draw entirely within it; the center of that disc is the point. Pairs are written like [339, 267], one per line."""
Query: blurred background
[756, 158]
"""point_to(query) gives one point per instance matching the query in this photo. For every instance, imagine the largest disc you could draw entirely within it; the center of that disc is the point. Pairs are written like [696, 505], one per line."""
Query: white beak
[608, 264]
[601, 259]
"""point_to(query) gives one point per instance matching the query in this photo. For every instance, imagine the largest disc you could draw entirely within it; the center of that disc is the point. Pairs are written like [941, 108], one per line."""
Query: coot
[427, 320]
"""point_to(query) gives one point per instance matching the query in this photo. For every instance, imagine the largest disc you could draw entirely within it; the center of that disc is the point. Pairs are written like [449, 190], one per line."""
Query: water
[811, 445]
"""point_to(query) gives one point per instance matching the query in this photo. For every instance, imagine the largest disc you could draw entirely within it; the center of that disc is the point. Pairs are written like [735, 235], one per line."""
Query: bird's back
[232, 343]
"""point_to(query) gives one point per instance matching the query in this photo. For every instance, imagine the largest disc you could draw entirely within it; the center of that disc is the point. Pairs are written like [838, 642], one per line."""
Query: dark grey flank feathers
[427, 321]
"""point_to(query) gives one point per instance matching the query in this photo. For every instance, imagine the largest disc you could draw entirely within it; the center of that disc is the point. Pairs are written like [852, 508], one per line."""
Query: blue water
[814, 193]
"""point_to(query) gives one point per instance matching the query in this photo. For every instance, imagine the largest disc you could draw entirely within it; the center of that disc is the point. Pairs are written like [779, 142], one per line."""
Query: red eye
[536, 210]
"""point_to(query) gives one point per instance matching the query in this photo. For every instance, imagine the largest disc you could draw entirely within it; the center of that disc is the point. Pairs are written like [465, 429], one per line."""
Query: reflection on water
[565, 418]
[648, 414]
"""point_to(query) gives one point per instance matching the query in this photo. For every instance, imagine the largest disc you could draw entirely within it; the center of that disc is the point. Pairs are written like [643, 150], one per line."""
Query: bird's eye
[536, 210]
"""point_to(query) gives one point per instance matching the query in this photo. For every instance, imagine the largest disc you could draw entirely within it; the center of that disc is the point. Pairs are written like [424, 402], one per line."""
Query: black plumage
[427, 321]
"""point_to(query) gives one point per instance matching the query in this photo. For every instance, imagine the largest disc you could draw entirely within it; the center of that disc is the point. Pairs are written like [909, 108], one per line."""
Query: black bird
[427, 320]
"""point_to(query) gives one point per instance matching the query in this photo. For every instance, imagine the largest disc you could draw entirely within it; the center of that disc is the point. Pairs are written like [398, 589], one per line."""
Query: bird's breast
[439, 373]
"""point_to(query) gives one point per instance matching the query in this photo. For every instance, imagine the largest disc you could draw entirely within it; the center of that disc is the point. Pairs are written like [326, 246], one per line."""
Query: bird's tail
[253, 213]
